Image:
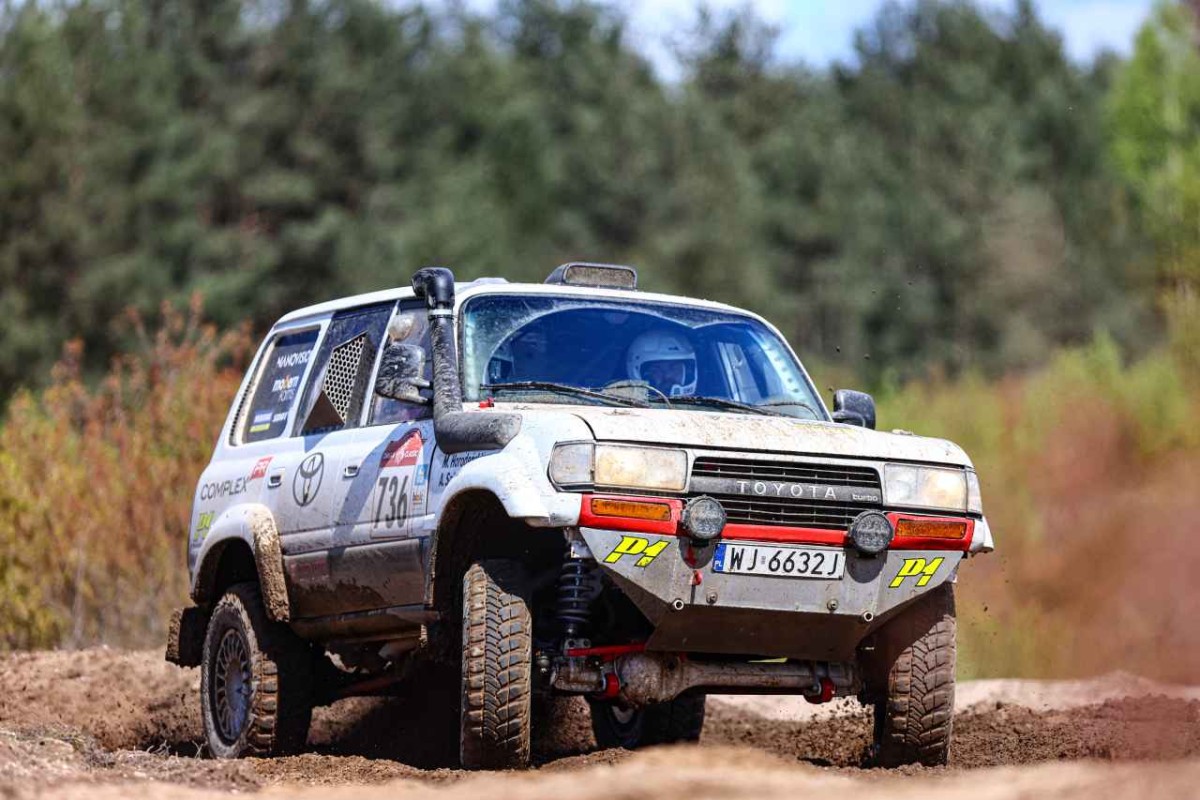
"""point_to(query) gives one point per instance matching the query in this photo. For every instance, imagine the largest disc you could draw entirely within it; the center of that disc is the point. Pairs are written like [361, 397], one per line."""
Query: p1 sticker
[636, 546]
[917, 568]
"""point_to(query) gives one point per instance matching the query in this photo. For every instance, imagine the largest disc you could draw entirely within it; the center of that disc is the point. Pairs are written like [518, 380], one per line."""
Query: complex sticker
[636, 546]
[912, 567]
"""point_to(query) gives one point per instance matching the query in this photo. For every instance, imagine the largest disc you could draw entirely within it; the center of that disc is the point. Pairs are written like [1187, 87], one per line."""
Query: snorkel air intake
[457, 431]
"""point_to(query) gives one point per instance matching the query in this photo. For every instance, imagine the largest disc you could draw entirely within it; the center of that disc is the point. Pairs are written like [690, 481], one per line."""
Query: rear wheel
[678, 720]
[255, 680]
[914, 712]
[497, 659]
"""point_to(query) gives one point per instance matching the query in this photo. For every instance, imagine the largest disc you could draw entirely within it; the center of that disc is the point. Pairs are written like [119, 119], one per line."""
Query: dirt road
[108, 724]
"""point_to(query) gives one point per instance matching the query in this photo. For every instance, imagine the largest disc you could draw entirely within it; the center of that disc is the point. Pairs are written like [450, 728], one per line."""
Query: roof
[466, 289]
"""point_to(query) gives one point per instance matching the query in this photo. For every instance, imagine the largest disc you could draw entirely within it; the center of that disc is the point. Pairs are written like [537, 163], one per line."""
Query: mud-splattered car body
[669, 540]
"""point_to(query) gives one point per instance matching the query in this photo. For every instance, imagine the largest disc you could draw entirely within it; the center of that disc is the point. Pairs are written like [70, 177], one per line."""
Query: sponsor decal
[287, 383]
[218, 490]
[637, 547]
[451, 464]
[458, 460]
[260, 468]
[203, 526]
[917, 568]
[289, 360]
[404, 452]
[306, 483]
[261, 422]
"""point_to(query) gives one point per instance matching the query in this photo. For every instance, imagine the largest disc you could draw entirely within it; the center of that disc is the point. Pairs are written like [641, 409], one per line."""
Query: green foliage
[1154, 122]
[944, 201]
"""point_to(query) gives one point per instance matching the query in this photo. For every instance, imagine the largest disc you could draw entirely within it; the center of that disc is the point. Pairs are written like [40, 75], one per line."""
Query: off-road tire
[678, 720]
[279, 666]
[497, 659]
[914, 717]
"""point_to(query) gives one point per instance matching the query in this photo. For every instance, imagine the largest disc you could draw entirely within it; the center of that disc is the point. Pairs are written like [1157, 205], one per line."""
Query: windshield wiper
[562, 388]
[801, 403]
[728, 405]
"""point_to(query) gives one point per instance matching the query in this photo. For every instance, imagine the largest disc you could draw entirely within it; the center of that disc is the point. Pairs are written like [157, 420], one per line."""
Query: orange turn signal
[604, 507]
[932, 528]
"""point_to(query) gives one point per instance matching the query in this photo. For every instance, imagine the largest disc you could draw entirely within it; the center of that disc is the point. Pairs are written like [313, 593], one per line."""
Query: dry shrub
[96, 486]
[1090, 470]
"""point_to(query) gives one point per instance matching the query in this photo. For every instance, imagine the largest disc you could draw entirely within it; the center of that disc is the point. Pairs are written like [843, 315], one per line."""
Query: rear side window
[334, 397]
[278, 385]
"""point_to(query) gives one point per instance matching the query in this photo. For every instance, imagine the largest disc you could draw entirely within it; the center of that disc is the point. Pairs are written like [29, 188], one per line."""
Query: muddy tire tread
[915, 720]
[281, 666]
[497, 664]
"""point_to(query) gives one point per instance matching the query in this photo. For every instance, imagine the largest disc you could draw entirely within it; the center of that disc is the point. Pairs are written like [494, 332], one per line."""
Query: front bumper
[698, 610]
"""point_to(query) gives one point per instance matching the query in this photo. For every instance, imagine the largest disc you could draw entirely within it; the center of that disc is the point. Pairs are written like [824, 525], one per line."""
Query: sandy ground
[112, 724]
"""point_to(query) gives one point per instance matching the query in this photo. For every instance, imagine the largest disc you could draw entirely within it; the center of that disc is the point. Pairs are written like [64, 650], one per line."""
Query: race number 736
[393, 501]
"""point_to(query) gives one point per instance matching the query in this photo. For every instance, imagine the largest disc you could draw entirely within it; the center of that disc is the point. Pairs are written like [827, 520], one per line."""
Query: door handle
[350, 471]
[275, 481]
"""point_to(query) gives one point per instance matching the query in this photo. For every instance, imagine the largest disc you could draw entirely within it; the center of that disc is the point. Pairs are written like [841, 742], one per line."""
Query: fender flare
[525, 493]
[254, 525]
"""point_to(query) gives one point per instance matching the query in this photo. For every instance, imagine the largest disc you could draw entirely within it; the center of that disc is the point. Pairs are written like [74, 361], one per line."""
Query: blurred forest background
[1001, 242]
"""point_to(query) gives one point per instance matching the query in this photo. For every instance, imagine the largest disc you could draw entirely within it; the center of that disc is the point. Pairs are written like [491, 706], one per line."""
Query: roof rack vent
[601, 276]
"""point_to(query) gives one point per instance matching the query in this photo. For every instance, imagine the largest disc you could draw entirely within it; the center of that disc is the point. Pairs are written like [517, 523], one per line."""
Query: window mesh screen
[342, 373]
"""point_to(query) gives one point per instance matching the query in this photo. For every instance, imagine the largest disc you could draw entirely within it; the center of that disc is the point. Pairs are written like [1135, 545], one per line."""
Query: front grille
[789, 494]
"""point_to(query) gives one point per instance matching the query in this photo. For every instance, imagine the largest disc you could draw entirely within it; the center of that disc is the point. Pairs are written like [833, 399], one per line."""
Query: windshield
[542, 347]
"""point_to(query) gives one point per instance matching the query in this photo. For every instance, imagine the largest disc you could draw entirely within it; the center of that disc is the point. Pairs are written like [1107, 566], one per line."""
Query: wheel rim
[624, 717]
[232, 688]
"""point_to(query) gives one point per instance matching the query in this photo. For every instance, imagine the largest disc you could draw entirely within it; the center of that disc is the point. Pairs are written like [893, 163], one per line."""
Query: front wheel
[497, 659]
[678, 720]
[914, 714]
[255, 680]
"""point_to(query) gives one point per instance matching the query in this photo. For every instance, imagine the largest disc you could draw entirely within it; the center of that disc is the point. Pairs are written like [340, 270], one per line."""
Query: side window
[413, 329]
[278, 385]
[333, 399]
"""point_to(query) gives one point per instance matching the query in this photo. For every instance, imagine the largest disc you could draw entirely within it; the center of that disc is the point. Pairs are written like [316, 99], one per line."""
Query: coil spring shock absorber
[578, 586]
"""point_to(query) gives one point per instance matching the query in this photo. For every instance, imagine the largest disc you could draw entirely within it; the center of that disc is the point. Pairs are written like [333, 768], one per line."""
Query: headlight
[974, 498]
[619, 467]
[925, 487]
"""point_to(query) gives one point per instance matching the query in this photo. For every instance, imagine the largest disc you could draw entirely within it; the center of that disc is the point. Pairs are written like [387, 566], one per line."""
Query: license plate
[786, 562]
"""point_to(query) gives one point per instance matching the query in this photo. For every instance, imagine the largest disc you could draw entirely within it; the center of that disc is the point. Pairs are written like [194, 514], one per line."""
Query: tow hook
[828, 690]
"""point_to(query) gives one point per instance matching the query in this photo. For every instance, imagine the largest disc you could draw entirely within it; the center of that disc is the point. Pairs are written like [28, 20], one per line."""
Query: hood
[751, 433]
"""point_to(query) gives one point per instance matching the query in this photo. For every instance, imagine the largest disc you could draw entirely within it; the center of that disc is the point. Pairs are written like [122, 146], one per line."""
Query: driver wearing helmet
[665, 360]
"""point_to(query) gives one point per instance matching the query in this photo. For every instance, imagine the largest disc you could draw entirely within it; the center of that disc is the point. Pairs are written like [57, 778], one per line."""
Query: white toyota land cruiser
[632, 497]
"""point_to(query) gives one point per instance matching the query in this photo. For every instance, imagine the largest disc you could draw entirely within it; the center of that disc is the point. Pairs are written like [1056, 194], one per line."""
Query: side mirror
[400, 372]
[854, 408]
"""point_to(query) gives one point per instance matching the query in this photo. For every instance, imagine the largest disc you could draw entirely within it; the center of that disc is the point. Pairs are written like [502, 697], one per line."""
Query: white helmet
[665, 360]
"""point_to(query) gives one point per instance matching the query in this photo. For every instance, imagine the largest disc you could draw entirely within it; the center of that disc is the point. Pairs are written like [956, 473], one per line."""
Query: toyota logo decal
[307, 482]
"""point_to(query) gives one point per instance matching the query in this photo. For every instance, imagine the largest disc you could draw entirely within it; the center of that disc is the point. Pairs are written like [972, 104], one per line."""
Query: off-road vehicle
[568, 488]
